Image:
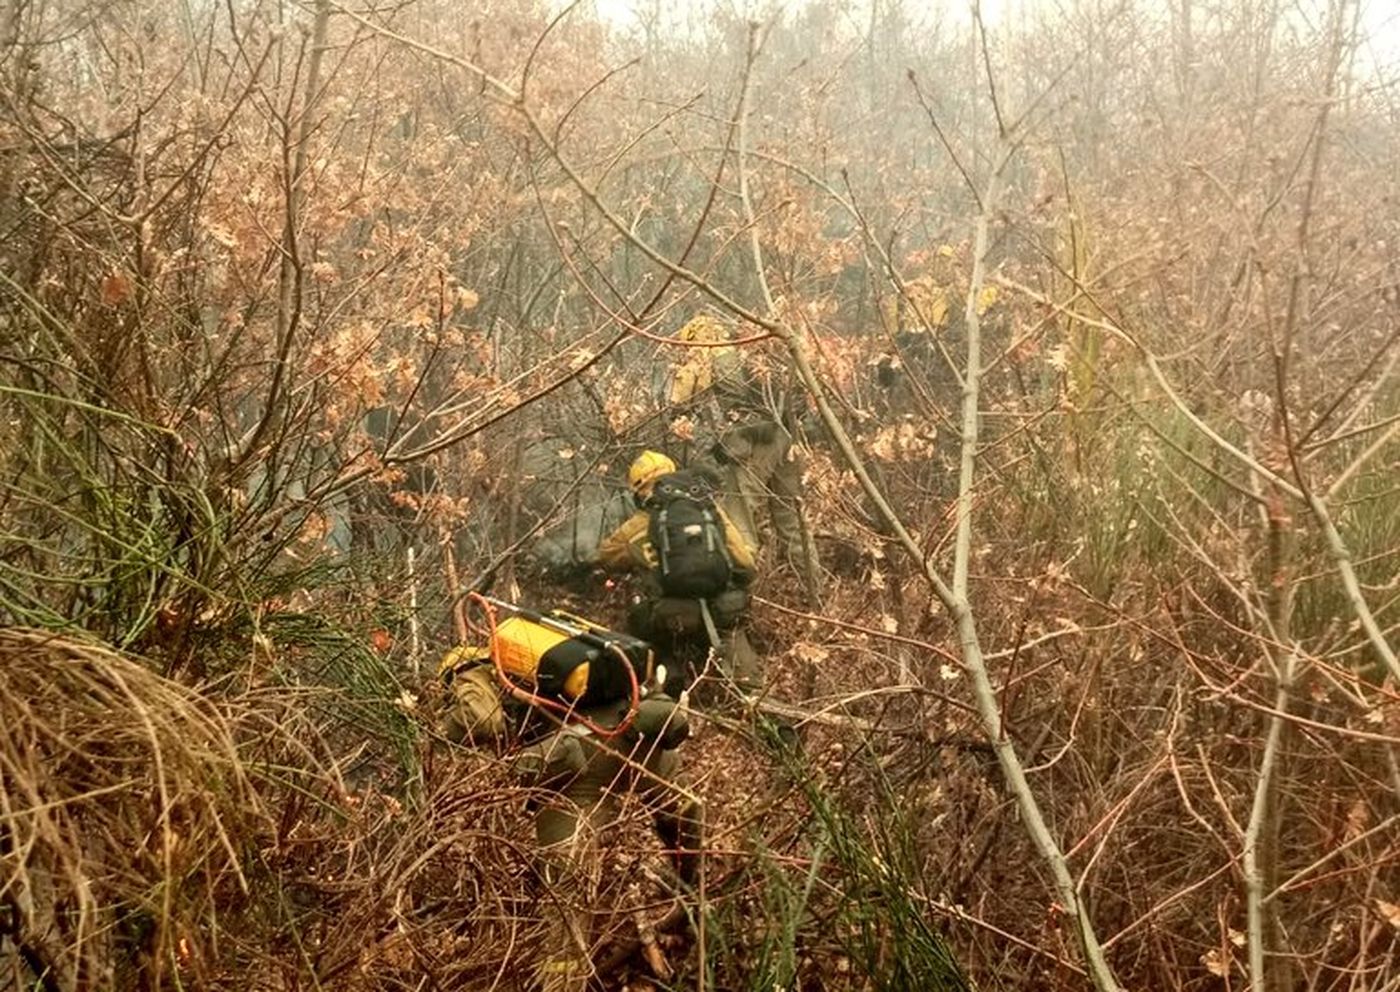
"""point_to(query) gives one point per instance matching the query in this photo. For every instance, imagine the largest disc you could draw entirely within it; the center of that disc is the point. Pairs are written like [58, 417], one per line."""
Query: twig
[1261, 810]
[1297, 877]
[415, 646]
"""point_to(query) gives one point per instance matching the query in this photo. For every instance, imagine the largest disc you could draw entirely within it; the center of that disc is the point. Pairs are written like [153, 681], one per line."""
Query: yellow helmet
[701, 368]
[461, 655]
[703, 328]
[646, 469]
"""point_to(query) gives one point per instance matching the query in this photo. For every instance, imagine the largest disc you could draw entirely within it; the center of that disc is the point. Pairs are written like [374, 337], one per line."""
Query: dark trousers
[676, 627]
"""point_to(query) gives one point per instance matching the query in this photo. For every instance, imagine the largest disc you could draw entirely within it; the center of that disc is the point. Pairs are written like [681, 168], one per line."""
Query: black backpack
[687, 534]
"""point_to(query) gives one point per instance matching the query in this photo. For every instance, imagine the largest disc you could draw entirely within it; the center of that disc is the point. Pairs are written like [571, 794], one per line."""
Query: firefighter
[745, 442]
[694, 597]
[581, 778]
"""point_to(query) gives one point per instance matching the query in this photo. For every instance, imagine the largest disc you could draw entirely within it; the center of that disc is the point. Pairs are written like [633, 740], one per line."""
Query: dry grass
[123, 805]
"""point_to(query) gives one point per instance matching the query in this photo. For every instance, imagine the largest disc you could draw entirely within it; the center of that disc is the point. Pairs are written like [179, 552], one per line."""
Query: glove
[659, 719]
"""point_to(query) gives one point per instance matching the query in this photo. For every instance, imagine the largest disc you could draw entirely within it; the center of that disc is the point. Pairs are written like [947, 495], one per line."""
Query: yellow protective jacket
[629, 548]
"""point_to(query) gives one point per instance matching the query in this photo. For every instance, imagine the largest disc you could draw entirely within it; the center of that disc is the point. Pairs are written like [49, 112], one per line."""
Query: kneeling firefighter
[696, 567]
[587, 729]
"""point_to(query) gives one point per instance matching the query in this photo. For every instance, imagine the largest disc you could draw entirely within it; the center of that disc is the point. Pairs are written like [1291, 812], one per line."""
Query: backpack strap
[716, 523]
[663, 552]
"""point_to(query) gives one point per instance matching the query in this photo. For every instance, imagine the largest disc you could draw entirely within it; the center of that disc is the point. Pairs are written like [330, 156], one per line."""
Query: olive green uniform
[583, 777]
[761, 471]
[747, 447]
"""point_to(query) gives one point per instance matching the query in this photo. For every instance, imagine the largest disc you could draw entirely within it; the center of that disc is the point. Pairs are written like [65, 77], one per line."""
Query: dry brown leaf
[116, 289]
[1358, 818]
[1390, 911]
